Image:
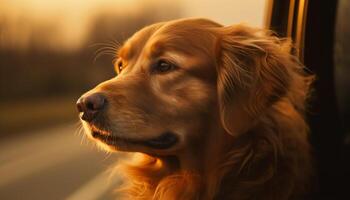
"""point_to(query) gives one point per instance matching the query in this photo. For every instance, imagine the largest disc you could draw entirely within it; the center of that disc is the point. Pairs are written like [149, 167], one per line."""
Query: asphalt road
[56, 163]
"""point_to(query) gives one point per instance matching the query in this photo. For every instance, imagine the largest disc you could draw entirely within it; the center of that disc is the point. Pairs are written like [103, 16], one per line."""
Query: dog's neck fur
[258, 161]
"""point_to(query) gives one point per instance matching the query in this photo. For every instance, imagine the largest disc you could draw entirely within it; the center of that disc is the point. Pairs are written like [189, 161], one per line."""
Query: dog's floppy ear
[253, 73]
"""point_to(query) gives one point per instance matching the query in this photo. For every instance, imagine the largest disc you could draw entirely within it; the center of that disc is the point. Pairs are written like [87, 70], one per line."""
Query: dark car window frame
[311, 25]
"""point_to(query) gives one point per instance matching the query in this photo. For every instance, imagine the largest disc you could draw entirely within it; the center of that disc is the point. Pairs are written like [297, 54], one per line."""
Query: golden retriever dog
[209, 112]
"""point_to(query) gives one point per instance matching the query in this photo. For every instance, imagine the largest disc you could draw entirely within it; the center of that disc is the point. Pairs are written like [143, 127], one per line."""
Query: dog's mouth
[164, 141]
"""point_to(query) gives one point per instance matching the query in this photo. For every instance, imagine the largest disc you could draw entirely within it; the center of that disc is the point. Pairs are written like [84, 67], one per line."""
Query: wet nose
[91, 105]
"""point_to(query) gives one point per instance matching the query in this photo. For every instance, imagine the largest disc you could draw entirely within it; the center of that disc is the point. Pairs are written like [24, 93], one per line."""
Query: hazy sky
[227, 11]
[71, 17]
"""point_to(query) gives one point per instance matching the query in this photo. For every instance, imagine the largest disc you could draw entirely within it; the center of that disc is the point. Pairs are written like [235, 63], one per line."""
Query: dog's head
[177, 80]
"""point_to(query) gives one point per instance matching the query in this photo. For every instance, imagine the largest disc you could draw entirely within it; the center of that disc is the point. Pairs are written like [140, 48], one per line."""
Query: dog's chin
[164, 141]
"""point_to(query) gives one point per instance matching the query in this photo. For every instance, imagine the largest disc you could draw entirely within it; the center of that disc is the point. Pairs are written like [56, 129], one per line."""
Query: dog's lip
[164, 141]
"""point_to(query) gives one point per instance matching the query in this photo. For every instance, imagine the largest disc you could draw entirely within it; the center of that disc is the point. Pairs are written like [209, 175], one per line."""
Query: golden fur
[236, 101]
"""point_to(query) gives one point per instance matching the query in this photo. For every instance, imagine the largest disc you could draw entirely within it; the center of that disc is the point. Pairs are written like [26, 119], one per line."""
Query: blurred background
[51, 53]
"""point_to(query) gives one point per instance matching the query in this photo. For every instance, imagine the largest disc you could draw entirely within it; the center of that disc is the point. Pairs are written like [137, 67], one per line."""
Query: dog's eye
[163, 66]
[119, 66]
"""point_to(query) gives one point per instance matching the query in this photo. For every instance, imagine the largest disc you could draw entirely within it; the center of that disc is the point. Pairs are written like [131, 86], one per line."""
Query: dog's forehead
[139, 39]
[179, 35]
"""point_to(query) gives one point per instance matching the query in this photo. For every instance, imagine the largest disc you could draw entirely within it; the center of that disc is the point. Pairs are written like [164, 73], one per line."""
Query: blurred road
[55, 164]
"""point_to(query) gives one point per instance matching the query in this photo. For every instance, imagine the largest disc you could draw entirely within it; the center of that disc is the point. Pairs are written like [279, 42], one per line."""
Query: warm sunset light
[66, 24]
[174, 99]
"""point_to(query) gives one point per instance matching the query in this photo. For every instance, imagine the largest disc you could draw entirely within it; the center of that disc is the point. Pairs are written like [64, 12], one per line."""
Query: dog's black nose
[91, 105]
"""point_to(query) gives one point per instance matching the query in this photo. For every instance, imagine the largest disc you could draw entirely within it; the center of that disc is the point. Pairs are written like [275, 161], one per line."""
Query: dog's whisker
[104, 52]
[78, 128]
[107, 155]
[83, 138]
[107, 45]
[82, 135]
[108, 48]
[105, 49]
[104, 45]
[115, 43]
